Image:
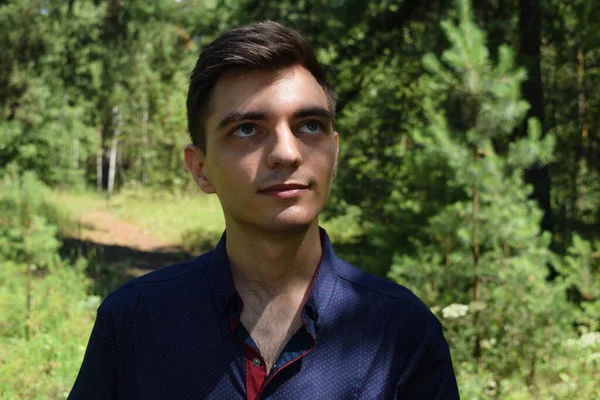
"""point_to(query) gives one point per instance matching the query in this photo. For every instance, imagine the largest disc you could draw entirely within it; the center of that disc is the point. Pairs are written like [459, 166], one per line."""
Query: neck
[276, 260]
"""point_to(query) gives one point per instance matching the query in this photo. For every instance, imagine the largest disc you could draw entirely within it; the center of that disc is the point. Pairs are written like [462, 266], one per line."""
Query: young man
[271, 312]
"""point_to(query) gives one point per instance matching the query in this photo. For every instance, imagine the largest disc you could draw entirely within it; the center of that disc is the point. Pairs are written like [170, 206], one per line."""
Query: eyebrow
[239, 116]
[315, 111]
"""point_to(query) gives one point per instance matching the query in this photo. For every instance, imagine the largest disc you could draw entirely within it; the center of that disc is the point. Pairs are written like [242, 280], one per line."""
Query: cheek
[327, 157]
[322, 166]
[235, 172]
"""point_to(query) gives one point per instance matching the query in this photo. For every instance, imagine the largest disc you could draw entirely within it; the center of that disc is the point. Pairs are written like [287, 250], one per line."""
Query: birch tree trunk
[112, 166]
[99, 162]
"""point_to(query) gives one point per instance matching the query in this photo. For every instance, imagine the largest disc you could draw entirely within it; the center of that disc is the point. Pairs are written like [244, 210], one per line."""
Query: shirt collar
[220, 278]
[223, 290]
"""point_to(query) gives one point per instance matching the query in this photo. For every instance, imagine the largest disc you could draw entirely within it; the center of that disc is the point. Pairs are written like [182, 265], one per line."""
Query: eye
[245, 130]
[311, 127]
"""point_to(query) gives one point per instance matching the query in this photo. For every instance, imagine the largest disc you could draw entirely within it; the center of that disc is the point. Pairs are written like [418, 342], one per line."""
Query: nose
[284, 151]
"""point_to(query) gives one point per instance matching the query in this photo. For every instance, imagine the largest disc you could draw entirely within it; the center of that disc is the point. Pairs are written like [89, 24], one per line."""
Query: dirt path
[120, 250]
[101, 227]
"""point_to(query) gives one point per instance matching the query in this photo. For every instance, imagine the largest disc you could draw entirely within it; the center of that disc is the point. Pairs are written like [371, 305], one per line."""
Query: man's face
[271, 151]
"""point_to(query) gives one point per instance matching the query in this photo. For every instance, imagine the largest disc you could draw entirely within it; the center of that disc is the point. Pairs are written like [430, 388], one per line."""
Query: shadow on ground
[109, 266]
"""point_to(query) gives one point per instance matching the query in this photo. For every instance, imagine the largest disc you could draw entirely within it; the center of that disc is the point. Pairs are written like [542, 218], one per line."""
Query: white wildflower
[488, 344]
[491, 388]
[593, 358]
[91, 303]
[590, 339]
[454, 311]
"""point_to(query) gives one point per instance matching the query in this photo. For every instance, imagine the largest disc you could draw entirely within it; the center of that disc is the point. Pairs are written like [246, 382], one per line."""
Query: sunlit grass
[78, 203]
[168, 217]
[161, 214]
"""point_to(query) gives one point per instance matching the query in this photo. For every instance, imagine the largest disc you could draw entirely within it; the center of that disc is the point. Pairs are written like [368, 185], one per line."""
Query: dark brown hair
[263, 46]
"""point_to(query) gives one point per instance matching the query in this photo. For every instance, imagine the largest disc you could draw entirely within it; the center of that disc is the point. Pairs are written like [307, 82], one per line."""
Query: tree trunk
[529, 54]
[99, 152]
[582, 101]
[112, 166]
[476, 249]
[530, 57]
[580, 144]
[476, 278]
[70, 8]
[145, 145]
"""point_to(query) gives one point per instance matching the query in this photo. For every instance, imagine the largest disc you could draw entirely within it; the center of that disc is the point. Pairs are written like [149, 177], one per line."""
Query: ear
[337, 152]
[195, 160]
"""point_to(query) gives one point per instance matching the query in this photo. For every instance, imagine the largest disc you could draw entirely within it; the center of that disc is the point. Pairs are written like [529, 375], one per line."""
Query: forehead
[274, 93]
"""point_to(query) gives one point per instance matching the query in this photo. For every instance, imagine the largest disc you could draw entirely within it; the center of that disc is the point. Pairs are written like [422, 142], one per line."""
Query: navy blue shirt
[175, 334]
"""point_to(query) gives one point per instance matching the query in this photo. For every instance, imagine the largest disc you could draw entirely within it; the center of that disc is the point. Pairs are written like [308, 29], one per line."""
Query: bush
[41, 349]
[46, 312]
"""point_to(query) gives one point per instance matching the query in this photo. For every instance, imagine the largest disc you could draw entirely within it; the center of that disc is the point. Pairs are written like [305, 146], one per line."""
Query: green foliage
[481, 258]
[43, 124]
[581, 269]
[59, 323]
[25, 234]
[344, 229]
[68, 66]
[46, 312]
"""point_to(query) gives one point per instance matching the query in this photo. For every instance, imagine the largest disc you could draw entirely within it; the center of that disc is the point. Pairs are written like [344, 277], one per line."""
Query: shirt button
[256, 362]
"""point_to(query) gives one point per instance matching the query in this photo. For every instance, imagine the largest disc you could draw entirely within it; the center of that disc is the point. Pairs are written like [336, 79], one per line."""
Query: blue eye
[311, 127]
[245, 130]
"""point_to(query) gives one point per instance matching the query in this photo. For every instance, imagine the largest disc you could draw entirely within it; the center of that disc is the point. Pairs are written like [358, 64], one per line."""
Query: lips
[285, 190]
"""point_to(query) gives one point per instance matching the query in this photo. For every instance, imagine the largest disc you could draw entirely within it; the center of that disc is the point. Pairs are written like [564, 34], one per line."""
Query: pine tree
[482, 259]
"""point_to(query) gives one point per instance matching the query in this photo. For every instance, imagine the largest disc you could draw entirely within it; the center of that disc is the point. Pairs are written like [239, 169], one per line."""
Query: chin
[289, 220]
[288, 226]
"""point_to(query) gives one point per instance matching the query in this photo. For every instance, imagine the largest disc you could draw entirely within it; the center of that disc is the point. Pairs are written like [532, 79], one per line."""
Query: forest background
[469, 171]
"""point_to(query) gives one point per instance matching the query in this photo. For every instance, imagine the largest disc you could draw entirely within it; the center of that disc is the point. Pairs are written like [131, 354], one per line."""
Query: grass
[169, 217]
[77, 203]
[163, 215]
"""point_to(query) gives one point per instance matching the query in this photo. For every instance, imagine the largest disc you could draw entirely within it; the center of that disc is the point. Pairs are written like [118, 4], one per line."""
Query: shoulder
[377, 286]
[163, 284]
[394, 306]
[384, 296]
